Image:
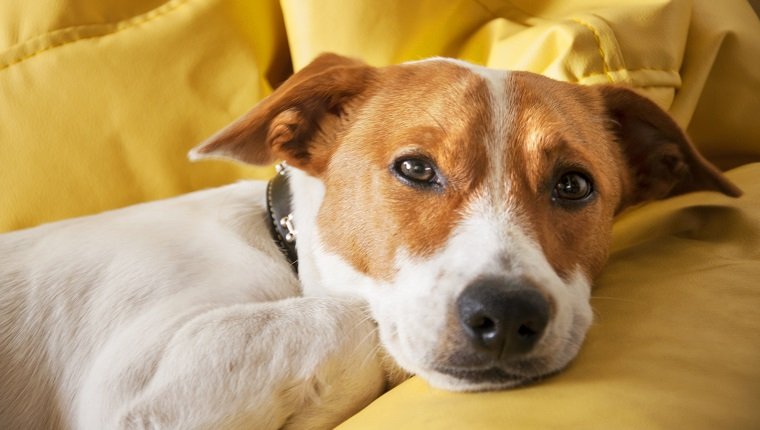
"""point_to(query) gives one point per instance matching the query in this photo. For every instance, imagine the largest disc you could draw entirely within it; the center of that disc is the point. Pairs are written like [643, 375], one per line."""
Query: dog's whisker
[374, 351]
[370, 334]
[435, 120]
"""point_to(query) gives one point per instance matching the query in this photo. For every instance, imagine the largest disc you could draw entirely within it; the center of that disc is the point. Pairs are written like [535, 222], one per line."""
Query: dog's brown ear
[298, 121]
[662, 160]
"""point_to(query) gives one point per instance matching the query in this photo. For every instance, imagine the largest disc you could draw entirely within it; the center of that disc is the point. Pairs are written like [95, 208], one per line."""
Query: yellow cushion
[101, 99]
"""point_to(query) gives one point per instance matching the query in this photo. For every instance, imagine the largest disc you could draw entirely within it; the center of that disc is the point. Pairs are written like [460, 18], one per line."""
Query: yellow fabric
[101, 99]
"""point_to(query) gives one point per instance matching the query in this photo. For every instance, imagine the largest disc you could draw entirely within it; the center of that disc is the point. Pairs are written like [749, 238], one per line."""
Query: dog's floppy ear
[662, 160]
[298, 121]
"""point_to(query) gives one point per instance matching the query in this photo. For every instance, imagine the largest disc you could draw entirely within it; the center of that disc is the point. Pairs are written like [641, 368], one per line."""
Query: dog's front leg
[295, 363]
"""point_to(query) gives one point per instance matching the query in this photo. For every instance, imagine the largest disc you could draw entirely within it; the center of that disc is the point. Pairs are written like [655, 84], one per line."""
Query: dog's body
[456, 207]
[173, 314]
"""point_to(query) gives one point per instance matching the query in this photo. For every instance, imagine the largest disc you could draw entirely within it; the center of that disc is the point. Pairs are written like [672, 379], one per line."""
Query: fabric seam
[602, 54]
[606, 69]
[58, 38]
[608, 73]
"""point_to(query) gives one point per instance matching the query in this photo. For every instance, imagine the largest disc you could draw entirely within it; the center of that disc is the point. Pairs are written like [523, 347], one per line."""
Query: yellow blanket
[101, 99]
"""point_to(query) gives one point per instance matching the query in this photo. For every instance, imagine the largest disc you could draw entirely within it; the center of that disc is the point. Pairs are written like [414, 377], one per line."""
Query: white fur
[176, 314]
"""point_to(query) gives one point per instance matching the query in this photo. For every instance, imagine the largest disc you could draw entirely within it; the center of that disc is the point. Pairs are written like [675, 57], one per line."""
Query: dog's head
[471, 207]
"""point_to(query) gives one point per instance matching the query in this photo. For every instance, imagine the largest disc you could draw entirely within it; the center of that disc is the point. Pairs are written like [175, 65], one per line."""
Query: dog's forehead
[442, 63]
[443, 91]
[451, 80]
[517, 108]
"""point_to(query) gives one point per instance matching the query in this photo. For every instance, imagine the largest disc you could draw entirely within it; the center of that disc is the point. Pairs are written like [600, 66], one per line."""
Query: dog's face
[472, 208]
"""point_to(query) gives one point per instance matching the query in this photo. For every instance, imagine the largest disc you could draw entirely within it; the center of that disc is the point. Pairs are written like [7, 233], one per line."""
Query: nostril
[502, 318]
[481, 325]
[526, 332]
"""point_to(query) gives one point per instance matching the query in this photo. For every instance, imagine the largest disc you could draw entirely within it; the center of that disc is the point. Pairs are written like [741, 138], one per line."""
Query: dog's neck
[321, 271]
[307, 194]
[280, 212]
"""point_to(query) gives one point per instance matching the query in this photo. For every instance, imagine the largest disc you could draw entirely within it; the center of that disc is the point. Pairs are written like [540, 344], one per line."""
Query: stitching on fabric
[602, 55]
[605, 65]
[607, 73]
[107, 30]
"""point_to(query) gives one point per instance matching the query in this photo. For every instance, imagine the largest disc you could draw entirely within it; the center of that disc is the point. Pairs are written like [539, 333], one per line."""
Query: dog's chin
[475, 379]
[466, 373]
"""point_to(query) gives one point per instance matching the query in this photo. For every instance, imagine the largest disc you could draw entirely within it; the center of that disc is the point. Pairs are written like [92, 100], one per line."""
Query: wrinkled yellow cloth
[101, 99]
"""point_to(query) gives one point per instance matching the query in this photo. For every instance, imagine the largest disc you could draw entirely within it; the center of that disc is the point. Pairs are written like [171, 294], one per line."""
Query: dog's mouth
[494, 377]
[460, 367]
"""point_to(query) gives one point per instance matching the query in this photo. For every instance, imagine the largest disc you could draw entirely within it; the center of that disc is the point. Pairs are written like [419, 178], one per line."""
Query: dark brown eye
[416, 171]
[573, 186]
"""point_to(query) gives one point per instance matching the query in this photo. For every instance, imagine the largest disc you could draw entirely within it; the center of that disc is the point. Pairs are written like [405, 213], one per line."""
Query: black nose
[502, 318]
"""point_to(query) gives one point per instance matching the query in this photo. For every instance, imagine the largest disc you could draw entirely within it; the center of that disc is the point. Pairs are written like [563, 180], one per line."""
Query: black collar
[281, 216]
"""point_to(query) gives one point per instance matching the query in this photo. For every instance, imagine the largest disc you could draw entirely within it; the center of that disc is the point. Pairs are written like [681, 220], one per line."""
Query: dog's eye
[573, 186]
[416, 171]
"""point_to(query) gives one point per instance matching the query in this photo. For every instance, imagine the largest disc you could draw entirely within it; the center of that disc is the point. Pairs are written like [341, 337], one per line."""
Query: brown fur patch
[661, 159]
[368, 216]
[559, 127]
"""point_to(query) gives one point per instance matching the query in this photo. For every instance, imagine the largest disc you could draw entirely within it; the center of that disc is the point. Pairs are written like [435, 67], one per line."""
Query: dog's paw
[345, 369]
[296, 363]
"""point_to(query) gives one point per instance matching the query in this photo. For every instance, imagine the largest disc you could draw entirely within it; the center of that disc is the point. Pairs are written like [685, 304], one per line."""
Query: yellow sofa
[101, 99]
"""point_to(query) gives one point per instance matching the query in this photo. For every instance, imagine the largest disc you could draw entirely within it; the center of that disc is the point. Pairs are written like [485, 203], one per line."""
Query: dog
[434, 218]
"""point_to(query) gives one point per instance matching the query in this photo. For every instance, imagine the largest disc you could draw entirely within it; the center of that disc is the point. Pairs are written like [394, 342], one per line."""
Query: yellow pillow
[100, 101]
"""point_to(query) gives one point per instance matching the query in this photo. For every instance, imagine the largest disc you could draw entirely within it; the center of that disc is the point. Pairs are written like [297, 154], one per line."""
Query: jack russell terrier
[449, 221]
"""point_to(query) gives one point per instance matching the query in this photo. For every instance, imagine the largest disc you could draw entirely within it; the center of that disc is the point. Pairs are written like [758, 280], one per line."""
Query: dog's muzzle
[500, 323]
